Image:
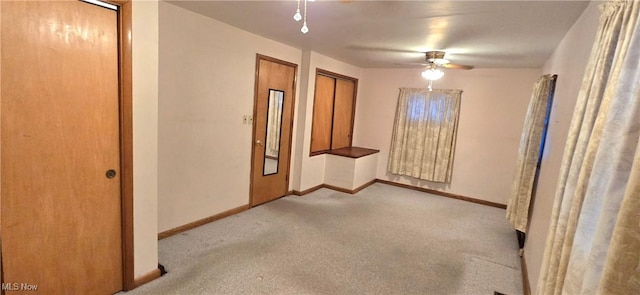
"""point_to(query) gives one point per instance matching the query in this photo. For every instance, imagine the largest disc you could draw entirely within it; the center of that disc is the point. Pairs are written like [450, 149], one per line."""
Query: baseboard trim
[444, 194]
[188, 226]
[348, 191]
[152, 275]
[339, 189]
[335, 188]
[526, 286]
[364, 186]
[308, 191]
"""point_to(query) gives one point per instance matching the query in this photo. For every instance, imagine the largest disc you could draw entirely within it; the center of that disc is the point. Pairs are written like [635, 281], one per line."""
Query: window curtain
[424, 134]
[593, 246]
[518, 205]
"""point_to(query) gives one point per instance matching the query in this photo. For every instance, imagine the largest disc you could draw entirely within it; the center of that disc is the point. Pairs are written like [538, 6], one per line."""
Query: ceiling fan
[436, 59]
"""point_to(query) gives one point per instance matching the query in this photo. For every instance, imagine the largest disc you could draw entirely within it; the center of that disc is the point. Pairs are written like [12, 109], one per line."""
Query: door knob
[111, 173]
[258, 142]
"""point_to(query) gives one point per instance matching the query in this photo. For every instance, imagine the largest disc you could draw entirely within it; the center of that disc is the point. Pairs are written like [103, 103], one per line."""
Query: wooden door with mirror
[272, 125]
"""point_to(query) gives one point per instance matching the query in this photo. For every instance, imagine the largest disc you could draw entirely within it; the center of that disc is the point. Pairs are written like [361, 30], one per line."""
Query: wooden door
[333, 112]
[272, 124]
[343, 114]
[322, 114]
[61, 209]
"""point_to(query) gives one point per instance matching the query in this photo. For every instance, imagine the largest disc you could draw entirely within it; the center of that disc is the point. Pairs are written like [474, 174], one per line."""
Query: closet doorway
[66, 147]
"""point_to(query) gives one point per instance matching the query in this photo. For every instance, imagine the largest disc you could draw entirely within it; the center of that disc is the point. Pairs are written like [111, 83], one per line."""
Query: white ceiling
[390, 34]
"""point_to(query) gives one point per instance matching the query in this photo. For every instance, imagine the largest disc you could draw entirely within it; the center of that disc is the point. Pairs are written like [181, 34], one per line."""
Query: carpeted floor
[382, 240]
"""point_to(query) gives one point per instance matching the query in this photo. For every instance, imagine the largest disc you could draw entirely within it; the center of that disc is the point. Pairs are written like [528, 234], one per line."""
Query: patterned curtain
[518, 205]
[424, 134]
[593, 246]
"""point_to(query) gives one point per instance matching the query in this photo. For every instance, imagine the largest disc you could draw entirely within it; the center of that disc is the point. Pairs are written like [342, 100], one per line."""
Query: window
[333, 112]
[424, 134]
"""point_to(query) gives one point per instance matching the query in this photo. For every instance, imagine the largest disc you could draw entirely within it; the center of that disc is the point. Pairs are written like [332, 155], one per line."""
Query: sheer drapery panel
[593, 246]
[424, 134]
[529, 153]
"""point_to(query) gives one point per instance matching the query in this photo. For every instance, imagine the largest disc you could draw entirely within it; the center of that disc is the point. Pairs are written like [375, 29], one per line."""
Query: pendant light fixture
[297, 17]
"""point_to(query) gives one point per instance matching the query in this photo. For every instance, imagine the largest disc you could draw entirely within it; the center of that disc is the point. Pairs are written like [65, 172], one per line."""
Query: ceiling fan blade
[456, 66]
[446, 15]
[384, 49]
[411, 64]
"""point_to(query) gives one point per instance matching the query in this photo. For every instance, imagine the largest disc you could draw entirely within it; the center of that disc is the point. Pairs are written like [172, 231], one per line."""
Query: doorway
[272, 129]
[65, 102]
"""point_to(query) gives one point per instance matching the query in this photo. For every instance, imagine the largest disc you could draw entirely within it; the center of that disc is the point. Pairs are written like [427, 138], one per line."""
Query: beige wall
[494, 104]
[310, 171]
[145, 135]
[568, 61]
[206, 85]
[206, 80]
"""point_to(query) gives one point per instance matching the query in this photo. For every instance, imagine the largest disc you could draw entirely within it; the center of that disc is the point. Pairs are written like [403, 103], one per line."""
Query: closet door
[61, 185]
[343, 114]
[322, 114]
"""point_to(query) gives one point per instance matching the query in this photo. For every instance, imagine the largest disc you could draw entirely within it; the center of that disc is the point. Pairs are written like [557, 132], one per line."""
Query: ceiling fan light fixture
[432, 74]
[439, 61]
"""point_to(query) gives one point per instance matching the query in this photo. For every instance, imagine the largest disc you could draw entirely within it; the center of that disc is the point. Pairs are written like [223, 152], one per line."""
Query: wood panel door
[272, 124]
[333, 112]
[60, 161]
[343, 114]
[322, 114]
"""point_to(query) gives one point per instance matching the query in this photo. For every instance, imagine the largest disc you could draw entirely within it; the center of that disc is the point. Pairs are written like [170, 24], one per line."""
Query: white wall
[494, 104]
[339, 171]
[207, 73]
[310, 170]
[365, 170]
[300, 122]
[145, 135]
[206, 84]
[568, 61]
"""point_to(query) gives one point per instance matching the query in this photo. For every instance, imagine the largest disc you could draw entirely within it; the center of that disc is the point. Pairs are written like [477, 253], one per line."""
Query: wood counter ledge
[353, 152]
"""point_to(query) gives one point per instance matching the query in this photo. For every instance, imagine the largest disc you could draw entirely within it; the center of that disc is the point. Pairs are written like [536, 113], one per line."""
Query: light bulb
[297, 16]
[432, 74]
[304, 28]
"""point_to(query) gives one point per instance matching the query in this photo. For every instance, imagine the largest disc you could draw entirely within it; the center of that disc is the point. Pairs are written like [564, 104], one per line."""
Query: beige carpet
[383, 240]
